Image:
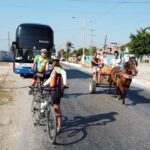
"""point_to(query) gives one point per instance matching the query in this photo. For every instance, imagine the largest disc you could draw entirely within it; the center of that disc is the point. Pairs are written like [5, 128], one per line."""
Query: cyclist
[57, 81]
[40, 65]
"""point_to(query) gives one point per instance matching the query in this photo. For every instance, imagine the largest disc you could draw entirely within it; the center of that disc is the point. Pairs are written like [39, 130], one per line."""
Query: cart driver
[97, 64]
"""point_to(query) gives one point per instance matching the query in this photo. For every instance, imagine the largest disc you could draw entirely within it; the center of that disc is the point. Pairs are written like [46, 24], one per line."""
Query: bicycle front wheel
[51, 123]
[35, 110]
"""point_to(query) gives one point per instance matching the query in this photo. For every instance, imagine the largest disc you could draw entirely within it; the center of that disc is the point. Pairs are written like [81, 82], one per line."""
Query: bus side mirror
[14, 46]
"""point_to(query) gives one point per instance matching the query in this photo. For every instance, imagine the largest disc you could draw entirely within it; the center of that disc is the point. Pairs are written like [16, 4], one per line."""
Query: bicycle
[36, 91]
[48, 111]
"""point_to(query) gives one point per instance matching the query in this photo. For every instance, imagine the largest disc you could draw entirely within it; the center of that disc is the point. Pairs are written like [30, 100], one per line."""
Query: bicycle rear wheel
[51, 123]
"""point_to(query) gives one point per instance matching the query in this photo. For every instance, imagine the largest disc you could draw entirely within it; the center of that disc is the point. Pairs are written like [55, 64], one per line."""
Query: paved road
[90, 121]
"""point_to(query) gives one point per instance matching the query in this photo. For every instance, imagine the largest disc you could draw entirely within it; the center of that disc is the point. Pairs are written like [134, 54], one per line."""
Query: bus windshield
[30, 39]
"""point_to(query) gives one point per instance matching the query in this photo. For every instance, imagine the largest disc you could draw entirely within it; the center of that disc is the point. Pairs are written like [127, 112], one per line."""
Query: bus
[30, 39]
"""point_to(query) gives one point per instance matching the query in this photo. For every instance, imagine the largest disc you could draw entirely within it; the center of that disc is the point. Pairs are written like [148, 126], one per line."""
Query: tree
[62, 53]
[140, 42]
[68, 49]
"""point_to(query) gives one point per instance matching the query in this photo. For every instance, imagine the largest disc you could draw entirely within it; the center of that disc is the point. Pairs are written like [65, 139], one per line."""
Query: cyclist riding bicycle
[57, 81]
[40, 65]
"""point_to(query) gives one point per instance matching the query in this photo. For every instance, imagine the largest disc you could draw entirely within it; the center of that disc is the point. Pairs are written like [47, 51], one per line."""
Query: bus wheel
[21, 75]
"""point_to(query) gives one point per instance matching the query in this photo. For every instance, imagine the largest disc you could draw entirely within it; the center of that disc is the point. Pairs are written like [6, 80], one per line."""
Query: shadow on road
[71, 95]
[133, 94]
[74, 74]
[136, 98]
[76, 129]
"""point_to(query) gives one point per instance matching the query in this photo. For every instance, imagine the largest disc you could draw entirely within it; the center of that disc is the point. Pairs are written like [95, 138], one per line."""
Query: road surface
[90, 121]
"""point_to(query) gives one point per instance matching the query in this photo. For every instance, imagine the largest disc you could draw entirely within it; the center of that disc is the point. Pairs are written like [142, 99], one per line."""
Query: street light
[83, 39]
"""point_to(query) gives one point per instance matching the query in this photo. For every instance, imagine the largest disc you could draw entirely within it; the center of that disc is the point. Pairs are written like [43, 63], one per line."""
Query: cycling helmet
[55, 57]
[44, 51]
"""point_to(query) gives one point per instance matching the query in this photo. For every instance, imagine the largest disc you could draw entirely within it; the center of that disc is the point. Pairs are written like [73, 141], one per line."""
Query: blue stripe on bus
[26, 71]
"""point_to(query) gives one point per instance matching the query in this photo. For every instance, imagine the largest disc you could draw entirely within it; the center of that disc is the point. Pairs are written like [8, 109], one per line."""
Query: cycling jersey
[53, 79]
[56, 80]
[40, 63]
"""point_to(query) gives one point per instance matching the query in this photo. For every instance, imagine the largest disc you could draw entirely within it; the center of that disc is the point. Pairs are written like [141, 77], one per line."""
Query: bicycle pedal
[36, 109]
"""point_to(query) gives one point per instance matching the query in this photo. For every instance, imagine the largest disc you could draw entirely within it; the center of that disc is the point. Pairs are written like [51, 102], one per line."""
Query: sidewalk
[143, 77]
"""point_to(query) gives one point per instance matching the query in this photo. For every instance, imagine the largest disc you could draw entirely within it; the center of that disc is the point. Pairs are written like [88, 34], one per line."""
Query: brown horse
[123, 78]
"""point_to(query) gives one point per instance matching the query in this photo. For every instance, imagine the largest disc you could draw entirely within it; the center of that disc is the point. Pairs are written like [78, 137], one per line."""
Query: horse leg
[109, 88]
[110, 83]
[123, 97]
[116, 91]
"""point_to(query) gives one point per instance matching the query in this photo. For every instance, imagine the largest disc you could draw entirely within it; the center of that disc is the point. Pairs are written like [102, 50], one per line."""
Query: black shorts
[41, 78]
[56, 95]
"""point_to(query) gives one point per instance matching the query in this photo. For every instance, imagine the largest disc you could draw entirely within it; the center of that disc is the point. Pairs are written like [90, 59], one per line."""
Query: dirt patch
[5, 93]
[5, 97]
[4, 63]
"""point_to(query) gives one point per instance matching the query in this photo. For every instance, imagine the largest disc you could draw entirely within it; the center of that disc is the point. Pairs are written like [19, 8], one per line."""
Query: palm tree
[68, 49]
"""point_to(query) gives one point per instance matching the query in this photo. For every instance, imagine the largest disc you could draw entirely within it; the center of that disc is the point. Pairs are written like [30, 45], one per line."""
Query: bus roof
[34, 25]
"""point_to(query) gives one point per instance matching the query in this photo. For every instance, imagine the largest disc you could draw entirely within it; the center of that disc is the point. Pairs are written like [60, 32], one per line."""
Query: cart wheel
[92, 86]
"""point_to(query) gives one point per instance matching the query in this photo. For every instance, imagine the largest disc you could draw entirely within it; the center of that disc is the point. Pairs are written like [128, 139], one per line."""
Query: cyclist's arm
[34, 63]
[59, 71]
[46, 66]
[63, 73]
[47, 82]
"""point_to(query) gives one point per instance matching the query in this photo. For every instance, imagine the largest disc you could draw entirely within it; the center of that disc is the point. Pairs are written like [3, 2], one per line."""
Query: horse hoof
[124, 104]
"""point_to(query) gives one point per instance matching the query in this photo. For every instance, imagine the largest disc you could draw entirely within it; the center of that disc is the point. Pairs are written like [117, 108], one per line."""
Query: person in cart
[97, 63]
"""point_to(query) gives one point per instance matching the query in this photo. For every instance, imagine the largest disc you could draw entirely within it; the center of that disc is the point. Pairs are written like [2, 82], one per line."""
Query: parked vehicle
[30, 39]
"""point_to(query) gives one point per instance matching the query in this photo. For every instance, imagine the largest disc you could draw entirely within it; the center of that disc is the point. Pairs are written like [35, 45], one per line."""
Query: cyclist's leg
[56, 98]
[33, 80]
[42, 79]
[58, 114]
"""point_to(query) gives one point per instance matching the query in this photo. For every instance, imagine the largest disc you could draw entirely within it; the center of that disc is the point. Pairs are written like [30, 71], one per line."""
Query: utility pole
[8, 41]
[92, 34]
[105, 42]
[84, 40]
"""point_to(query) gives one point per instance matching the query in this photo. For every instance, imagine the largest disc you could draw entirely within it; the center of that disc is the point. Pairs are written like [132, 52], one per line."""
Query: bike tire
[35, 110]
[51, 123]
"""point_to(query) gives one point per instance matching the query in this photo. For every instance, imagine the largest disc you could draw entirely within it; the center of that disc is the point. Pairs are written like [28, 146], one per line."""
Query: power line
[3, 39]
[41, 9]
[123, 2]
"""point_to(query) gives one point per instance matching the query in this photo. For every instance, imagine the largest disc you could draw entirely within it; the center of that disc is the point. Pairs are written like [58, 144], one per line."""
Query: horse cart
[104, 76]
[120, 78]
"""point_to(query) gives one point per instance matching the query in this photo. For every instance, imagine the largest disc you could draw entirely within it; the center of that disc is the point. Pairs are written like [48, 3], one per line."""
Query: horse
[122, 78]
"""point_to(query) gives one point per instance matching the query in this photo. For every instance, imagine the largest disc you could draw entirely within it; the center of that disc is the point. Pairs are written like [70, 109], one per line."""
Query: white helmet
[44, 51]
[55, 57]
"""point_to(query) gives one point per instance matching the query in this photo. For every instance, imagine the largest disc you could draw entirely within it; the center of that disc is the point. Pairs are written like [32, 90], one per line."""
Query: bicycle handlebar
[45, 88]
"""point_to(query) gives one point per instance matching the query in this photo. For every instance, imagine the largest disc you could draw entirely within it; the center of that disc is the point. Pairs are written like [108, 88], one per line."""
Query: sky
[71, 19]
